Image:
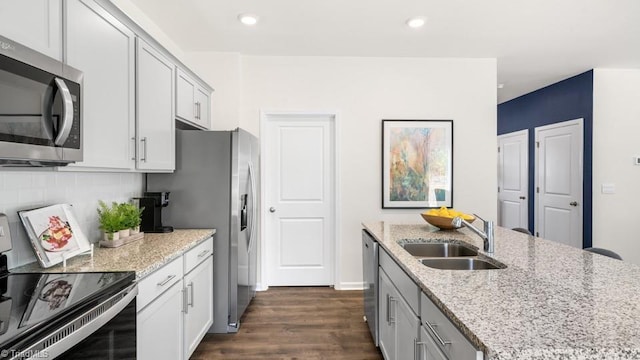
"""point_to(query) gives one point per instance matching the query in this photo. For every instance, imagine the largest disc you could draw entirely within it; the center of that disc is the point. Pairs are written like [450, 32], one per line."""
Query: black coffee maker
[153, 202]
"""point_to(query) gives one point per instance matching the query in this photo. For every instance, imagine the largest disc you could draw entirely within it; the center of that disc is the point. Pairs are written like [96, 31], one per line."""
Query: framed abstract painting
[417, 164]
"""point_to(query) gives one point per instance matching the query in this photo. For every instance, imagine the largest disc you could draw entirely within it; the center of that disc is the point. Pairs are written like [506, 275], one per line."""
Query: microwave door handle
[67, 108]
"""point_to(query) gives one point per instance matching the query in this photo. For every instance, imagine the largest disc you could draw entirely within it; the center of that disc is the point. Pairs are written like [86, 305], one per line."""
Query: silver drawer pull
[435, 333]
[165, 281]
[203, 253]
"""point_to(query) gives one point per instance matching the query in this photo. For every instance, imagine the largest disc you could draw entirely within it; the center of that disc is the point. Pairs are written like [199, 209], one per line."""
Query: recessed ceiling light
[248, 19]
[416, 22]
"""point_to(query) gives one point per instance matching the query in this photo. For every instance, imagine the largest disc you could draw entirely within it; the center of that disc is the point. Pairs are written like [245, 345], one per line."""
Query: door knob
[272, 209]
[573, 203]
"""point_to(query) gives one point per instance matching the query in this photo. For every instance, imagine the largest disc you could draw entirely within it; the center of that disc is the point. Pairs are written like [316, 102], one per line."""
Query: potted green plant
[110, 220]
[131, 217]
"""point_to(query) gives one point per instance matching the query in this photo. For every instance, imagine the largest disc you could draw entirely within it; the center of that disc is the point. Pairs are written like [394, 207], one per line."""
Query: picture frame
[54, 233]
[417, 164]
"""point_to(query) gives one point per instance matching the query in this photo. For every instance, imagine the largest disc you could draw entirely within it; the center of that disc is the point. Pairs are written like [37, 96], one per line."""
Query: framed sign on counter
[417, 164]
[54, 233]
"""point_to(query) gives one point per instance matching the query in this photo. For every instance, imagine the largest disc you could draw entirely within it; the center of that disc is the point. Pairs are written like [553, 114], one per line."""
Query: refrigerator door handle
[243, 212]
[252, 180]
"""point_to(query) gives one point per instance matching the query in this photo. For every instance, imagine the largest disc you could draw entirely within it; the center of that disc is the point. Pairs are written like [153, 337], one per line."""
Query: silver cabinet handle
[165, 281]
[133, 157]
[435, 333]
[144, 149]
[185, 306]
[203, 253]
[573, 203]
[392, 320]
[67, 107]
[272, 209]
[190, 286]
[522, 198]
[417, 345]
[388, 306]
[195, 110]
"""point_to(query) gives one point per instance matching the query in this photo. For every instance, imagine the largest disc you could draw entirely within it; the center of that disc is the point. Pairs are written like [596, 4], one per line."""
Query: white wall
[21, 190]
[366, 90]
[616, 140]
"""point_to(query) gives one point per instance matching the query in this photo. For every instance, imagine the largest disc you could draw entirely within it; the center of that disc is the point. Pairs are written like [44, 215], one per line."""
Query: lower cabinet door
[427, 348]
[386, 323]
[407, 330]
[198, 317]
[159, 328]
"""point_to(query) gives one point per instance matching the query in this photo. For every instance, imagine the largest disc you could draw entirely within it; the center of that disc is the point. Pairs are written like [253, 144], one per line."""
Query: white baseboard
[261, 287]
[355, 285]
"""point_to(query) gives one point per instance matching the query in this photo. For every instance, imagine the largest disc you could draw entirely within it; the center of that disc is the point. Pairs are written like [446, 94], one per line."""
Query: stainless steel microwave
[40, 117]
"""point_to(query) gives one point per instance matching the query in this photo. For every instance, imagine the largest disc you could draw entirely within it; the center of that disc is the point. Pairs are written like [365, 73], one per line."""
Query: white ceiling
[536, 42]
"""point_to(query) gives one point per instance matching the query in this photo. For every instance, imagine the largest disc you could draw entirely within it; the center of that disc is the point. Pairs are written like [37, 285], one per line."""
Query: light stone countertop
[142, 256]
[551, 302]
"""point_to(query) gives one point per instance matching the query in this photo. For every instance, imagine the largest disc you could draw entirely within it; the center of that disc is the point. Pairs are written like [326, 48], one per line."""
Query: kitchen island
[552, 301]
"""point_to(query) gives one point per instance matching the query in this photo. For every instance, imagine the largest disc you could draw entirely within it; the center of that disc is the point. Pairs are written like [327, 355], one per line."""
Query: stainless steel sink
[439, 250]
[460, 264]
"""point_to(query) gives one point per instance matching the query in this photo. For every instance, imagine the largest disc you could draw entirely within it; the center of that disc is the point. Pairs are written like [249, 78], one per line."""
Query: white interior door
[299, 192]
[513, 179]
[559, 154]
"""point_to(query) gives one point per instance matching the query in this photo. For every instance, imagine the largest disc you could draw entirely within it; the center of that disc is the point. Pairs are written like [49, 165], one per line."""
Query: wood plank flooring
[296, 323]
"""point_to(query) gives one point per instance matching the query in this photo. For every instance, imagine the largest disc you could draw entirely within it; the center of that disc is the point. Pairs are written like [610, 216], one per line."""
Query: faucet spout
[487, 235]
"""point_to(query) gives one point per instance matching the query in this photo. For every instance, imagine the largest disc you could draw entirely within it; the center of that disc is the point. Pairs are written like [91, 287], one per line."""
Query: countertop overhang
[142, 256]
[552, 301]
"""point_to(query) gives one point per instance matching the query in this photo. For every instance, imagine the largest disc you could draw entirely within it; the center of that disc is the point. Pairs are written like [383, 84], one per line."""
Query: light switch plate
[608, 188]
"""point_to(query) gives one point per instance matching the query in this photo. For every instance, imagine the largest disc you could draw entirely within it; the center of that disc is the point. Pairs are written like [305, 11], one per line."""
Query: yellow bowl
[441, 222]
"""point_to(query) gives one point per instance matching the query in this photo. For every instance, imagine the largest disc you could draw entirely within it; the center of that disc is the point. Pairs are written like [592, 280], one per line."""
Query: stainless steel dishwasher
[370, 277]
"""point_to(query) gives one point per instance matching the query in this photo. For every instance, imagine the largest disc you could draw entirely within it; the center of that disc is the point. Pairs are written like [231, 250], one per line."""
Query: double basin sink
[450, 256]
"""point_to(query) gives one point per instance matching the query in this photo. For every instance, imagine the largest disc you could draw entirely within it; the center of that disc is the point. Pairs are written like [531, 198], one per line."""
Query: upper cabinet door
[185, 104]
[34, 23]
[202, 107]
[104, 50]
[156, 124]
[192, 101]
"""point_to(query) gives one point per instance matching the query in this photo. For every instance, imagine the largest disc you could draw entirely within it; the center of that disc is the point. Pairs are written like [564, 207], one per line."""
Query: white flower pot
[124, 233]
[111, 236]
[134, 230]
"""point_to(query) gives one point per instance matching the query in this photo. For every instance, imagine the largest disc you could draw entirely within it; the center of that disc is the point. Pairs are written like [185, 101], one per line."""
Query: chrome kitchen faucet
[486, 235]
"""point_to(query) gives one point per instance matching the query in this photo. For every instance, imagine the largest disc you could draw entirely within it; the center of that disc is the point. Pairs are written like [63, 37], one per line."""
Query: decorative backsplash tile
[20, 190]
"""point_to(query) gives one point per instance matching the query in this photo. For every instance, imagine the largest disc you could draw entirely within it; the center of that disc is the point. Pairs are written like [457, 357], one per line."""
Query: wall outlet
[608, 188]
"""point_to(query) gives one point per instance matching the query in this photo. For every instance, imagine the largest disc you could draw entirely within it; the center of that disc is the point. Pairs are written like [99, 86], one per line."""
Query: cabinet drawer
[442, 330]
[407, 287]
[158, 282]
[197, 255]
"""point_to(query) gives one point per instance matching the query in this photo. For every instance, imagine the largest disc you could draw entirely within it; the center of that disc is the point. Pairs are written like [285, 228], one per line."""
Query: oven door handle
[67, 108]
[82, 327]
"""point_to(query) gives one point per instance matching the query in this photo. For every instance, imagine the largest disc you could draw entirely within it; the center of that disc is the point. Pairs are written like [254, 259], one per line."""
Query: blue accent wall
[565, 100]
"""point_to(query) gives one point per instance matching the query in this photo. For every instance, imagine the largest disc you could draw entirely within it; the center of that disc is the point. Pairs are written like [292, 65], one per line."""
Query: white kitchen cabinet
[36, 24]
[175, 305]
[103, 49]
[192, 101]
[427, 348]
[198, 316]
[386, 325]
[160, 326]
[399, 325]
[155, 125]
[444, 335]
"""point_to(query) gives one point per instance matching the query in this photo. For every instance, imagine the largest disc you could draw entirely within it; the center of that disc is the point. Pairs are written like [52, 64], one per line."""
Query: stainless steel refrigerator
[215, 186]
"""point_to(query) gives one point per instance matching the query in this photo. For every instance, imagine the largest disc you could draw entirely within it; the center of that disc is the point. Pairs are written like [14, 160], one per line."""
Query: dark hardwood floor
[296, 323]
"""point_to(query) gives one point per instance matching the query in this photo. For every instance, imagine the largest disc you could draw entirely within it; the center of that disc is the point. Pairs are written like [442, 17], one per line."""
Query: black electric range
[68, 315]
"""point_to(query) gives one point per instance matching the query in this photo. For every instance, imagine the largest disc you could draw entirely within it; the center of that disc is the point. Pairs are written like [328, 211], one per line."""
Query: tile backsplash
[20, 190]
